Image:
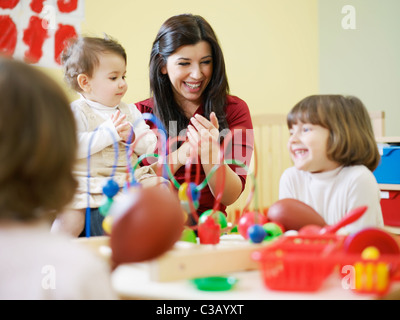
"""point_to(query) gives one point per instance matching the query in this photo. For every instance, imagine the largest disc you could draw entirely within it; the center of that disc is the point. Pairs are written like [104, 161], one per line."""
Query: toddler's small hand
[117, 118]
[125, 131]
[123, 127]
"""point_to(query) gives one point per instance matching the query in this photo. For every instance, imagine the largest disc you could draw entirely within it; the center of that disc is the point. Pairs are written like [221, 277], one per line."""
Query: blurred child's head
[96, 67]
[349, 137]
[37, 143]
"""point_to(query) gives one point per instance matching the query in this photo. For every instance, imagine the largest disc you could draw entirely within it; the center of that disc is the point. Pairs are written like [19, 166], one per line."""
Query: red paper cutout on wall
[37, 5]
[34, 37]
[67, 5]
[8, 4]
[63, 33]
[28, 29]
[8, 40]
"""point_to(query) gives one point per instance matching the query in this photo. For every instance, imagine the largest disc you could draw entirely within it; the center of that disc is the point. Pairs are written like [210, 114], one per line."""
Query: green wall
[364, 61]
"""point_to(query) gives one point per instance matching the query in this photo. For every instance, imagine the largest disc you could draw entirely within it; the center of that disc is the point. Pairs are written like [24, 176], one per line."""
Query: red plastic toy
[297, 263]
[209, 231]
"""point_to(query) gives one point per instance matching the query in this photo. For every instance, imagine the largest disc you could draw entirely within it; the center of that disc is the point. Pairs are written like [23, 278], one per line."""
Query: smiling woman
[191, 97]
[189, 70]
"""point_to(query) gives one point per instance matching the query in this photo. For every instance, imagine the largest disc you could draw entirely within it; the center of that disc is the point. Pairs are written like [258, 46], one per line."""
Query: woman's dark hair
[178, 31]
[37, 143]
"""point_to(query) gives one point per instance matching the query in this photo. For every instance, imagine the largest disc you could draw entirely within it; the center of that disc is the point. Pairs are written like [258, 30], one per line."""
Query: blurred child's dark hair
[37, 143]
[351, 138]
[81, 55]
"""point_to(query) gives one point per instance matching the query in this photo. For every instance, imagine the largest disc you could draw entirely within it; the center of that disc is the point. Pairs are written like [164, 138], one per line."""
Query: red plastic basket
[298, 263]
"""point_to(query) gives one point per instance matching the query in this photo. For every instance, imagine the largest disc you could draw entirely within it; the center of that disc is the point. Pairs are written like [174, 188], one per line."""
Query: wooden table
[137, 281]
[133, 282]
[173, 282]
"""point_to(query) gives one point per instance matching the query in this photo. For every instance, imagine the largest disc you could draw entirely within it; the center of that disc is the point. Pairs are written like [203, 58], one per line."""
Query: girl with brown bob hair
[341, 115]
[334, 152]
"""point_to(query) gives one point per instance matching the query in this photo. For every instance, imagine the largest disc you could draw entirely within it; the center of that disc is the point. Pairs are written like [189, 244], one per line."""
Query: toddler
[334, 152]
[96, 69]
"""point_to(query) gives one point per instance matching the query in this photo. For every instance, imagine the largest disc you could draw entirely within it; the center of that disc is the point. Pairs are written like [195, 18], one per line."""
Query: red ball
[248, 219]
[293, 214]
[147, 222]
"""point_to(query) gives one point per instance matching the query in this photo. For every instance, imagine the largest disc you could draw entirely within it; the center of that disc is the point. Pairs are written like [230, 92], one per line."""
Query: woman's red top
[240, 146]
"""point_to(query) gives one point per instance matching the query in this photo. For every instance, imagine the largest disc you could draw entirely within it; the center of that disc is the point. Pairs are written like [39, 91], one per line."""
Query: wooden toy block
[189, 260]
